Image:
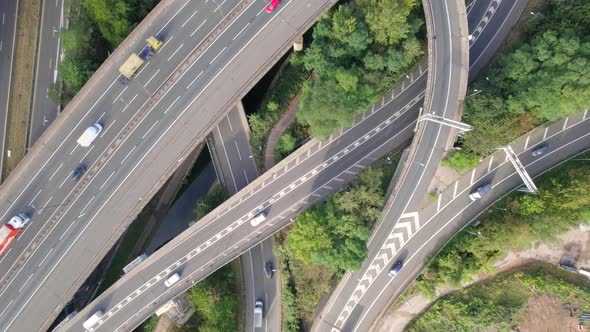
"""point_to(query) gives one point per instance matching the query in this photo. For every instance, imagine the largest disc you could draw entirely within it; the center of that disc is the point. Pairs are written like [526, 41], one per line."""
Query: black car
[78, 172]
[268, 269]
[396, 268]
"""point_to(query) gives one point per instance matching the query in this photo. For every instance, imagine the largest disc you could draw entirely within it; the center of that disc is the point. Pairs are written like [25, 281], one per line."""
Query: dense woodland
[546, 78]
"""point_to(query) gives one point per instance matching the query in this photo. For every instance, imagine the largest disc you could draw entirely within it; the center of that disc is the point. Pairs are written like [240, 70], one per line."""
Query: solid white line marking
[197, 29]
[239, 33]
[31, 202]
[74, 149]
[9, 303]
[490, 163]
[107, 180]
[64, 181]
[169, 107]
[526, 142]
[173, 16]
[109, 127]
[545, 133]
[152, 127]
[86, 206]
[23, 286]
[151, 78]
[66, 231]
[472, 175]
[86, 154]
[585, 112]
[438, 203]
[185, 22]
[50, 250]
[193, 81]
[119, 95]
[178, 49]
[127, 156]
[218, 54]
[166, 44]
[565, 123]
[52, 175]
[455, 189]
[238, 150]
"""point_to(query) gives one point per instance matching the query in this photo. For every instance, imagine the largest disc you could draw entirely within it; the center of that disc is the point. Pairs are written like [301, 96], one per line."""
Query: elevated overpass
[213, 53]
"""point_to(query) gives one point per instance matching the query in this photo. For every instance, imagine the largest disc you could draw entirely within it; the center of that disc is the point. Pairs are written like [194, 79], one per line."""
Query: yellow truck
[132, 64]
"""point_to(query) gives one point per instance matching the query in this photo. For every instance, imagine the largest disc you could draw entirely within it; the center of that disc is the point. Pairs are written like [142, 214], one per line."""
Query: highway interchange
[310, 173]
[87, 217]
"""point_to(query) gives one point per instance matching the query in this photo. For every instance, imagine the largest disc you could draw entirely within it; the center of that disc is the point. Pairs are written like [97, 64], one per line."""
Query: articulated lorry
[10, 230]
[132, 64]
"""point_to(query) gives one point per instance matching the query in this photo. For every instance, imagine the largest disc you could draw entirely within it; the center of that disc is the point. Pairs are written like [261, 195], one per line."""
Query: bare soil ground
[22, 82]
[549, 313]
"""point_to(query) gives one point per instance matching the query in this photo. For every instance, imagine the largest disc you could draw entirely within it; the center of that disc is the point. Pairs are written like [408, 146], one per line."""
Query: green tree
[206, 204]
[461, 161]
[285, 146]
[75, 73]
[112, 18]
[388, 20]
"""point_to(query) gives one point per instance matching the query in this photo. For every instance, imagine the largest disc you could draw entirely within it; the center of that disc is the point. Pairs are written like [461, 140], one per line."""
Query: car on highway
[258, 313]
[395, 268]
[272, 6]
[540, 150]
[258, 219]
[93, 320]
[172, 280]
[268, 269]
[480, 191]
[78, 172]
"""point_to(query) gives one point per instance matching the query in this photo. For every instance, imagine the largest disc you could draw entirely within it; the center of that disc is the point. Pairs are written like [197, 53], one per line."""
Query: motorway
[348, 310]
[8, 11]
[74, 224]
[453, 210]
[229, 144]
[43, 109]
[306, 176]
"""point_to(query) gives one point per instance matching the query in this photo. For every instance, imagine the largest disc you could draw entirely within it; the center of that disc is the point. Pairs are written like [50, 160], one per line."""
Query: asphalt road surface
[74, 224]
[192, 269]
[441, 219]
[348, 308]
[306, 176]
[229, 143]
[8, 10]
[44, 110]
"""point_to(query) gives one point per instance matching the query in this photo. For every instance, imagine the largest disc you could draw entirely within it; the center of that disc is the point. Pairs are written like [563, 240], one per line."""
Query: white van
[172, 280]
[258, 219]
[90, 322]
[89, 135]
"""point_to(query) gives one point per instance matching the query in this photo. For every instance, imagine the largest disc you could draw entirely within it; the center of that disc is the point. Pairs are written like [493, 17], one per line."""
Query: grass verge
[21, 89]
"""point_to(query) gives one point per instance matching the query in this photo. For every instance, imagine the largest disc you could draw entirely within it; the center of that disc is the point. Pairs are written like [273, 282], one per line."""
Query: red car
[272, 5]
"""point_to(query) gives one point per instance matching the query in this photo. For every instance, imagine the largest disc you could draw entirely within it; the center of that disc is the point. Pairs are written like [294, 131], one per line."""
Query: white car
[258, 219]
[172, 280]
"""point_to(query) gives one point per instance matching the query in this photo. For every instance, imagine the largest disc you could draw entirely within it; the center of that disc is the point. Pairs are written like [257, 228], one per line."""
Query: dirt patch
[22, 82]
[549, 313]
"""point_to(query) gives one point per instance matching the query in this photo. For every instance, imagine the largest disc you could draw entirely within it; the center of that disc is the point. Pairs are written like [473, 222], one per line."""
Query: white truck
[10, 230]
[93, 320]
[89, 135]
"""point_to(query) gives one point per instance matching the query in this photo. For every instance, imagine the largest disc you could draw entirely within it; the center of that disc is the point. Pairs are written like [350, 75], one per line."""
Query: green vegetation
[563, 202]
[290, 141]
[358, 51]
[544, 79]
[334, 234]
[215, 302]
[499, 304]
[204, 205]
[96, 27]
[150, 324]
[461, 161]
[277, 101]
[432, 196]
[326, 240]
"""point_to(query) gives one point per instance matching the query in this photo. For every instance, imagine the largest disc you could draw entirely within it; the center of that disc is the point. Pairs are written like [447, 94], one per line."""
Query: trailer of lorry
[132, 64]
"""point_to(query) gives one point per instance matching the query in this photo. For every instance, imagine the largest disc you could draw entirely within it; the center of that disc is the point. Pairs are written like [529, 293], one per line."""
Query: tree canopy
[358, 51]
[335, 233]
